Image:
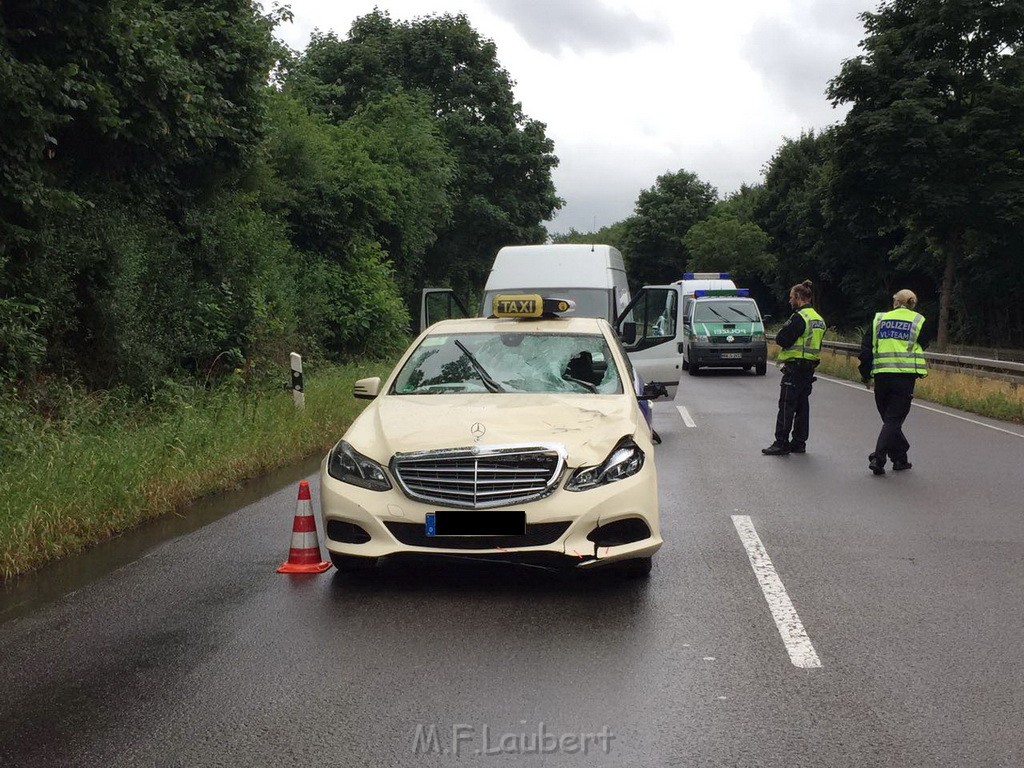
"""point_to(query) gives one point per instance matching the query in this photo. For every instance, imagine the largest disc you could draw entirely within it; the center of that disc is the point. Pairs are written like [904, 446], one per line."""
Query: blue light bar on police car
[705, 276]
[724, 292]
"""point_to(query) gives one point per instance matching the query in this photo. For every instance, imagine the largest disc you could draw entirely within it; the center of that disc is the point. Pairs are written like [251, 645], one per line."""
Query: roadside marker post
[298, 391]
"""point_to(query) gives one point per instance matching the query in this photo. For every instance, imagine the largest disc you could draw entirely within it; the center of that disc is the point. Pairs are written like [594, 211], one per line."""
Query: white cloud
[798, 53]
[578, 25]
[631, 90]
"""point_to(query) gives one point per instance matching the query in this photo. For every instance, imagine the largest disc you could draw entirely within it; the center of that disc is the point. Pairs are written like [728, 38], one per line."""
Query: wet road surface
[910, 587]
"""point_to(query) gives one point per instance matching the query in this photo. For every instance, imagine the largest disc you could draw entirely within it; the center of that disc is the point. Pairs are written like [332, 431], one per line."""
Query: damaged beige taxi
[518, 438]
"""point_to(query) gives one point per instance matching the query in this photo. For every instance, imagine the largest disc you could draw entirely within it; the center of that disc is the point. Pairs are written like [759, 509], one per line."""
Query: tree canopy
[655, 248]
[181, 196]
[932, 142]
[502, 188]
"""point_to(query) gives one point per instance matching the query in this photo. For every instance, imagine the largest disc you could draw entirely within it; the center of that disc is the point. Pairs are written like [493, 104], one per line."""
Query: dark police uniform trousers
[893, 394]
[794, 406]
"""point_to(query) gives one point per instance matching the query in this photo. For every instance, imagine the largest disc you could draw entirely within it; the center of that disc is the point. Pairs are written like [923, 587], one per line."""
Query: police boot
[776, 449]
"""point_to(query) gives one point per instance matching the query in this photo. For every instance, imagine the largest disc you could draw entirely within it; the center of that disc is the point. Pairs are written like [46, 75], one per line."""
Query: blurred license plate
[475, 523]
[731, 355]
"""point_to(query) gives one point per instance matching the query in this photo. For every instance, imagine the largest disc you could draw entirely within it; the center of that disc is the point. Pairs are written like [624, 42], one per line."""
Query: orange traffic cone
[304, 555]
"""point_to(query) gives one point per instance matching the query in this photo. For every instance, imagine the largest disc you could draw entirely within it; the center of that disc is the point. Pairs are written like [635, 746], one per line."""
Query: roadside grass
[997, 399]
[72, 489]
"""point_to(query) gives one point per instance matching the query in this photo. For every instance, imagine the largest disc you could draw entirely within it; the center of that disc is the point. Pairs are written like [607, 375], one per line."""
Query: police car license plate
[452, 522]
[731, 355]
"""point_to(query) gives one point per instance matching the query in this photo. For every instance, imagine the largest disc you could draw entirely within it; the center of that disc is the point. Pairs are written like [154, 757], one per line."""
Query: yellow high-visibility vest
[808, 346]
[894, 343]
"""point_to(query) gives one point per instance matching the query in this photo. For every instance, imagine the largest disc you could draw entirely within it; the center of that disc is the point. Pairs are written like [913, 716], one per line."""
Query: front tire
[693, 369]
[686, 364]
[762, 369]
[352, 564]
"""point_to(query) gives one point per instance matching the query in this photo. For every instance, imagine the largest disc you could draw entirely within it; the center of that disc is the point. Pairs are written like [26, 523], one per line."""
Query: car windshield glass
[726, 311]
[516, 361]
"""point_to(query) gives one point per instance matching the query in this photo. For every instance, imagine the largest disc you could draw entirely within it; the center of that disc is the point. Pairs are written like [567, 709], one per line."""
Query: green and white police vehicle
[723, 328]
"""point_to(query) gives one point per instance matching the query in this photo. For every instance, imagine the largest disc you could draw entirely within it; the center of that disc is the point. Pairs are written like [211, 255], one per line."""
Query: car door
[440, 304]
[650, 331]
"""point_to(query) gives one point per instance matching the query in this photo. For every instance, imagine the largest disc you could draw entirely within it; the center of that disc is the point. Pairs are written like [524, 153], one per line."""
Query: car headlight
[625, 460]
[345, 463]
[757, 337]
[702, 339]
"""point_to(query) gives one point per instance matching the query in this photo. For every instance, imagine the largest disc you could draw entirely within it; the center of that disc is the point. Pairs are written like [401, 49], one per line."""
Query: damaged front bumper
[578, 530]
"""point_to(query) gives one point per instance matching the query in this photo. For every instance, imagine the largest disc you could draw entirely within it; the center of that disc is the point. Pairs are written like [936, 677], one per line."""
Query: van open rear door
[650, 331]
[440, 304]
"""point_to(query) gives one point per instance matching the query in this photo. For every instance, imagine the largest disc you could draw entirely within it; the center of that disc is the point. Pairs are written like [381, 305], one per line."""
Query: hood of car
[588, 426]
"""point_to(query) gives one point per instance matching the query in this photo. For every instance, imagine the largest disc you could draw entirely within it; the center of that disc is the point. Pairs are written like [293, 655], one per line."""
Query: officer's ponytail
[804, 291]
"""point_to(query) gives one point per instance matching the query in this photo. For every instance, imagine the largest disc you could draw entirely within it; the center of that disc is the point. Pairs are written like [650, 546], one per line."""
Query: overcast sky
[632, 90]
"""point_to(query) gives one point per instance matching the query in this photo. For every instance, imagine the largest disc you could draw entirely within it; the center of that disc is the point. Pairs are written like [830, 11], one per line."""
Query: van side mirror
[366, 389]
[766, 319]
[686, 320]
[627, 332]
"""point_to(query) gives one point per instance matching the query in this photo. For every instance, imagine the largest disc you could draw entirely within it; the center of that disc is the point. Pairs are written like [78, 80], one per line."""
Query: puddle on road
[24, 594]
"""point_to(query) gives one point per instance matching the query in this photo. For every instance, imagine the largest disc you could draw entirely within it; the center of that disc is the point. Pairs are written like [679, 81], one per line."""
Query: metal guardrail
[1006, 370]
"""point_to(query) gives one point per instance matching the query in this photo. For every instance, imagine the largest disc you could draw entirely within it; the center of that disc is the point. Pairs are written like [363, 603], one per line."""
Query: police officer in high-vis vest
[800, 339]
[892, 354]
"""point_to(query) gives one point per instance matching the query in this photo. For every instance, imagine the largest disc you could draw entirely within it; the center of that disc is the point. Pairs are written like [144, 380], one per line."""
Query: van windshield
[726, 311]
[590, 302]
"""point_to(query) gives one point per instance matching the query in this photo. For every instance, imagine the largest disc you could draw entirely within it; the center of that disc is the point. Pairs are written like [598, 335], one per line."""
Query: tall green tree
[818, 235]
[664, 214]
[502, 190]
[790, 208]
[933, 137]
[730, 241]
[613, 235]
[119, 123]
[725, 244]
[418, 169]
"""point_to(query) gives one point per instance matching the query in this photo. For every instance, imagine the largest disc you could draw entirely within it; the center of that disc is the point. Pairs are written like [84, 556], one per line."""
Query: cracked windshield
[510, 362]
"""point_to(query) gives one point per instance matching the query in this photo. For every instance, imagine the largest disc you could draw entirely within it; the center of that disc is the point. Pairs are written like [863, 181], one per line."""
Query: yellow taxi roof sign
[530, 305]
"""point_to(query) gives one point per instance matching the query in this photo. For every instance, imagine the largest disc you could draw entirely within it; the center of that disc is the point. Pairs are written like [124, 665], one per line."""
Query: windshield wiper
[742, 314]
[585, 384]
[712, 309]
[485, 377]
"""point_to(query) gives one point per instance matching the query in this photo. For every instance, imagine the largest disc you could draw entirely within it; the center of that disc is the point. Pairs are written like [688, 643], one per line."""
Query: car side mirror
[627, 333]
[653, 390]
[366, 389]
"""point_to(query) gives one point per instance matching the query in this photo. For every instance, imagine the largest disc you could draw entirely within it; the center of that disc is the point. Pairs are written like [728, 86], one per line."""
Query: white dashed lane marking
[687, 419]
[794, 636]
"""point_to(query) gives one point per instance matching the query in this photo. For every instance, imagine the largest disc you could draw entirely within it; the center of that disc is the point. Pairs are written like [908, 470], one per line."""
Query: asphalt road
[909, 590]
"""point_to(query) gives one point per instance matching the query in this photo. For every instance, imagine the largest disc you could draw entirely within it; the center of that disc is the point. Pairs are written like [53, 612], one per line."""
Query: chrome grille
[482, 477]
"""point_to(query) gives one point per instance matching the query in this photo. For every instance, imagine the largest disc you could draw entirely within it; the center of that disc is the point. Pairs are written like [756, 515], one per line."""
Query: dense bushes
[167, 216]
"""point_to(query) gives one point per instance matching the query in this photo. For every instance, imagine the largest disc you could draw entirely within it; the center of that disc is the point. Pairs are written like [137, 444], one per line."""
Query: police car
[723, 328]
[518, 437]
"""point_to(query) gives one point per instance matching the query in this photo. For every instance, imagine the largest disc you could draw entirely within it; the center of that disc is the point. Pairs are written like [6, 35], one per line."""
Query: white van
[593, 276]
